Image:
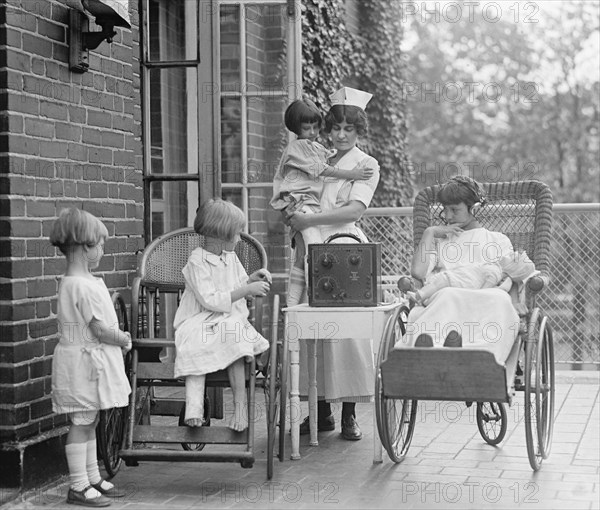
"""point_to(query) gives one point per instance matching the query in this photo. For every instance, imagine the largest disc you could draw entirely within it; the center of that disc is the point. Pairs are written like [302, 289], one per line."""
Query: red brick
[42, 188]
[40, 368]
[12, 374]
[40, 329]
[37, 45]
[25, 228]
[41, 408]
[42, 309]
[13, 333]
[55, 111]
[51, 30]
[41, 287]
[20, 352]
[24, 145]
[54, 149]
[21, 103]
[55, 266]
[37, 208]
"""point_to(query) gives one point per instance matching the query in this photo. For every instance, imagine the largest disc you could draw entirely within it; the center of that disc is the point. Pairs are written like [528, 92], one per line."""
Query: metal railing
[572, 301]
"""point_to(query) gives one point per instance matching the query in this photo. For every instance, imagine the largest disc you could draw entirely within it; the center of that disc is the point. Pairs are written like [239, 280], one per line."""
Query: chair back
[163, 259]
[522, 210]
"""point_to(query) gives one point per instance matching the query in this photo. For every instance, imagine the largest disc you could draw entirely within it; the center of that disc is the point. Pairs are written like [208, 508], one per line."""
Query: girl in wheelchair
[480, 318]
[212, 331]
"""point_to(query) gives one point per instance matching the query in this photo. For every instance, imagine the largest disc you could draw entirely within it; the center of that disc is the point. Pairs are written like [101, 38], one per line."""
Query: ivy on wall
[372, 60]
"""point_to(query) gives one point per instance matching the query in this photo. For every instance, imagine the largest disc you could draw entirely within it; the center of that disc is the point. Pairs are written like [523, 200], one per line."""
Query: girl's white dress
[211, 332]
[485, 318]
[345, 368]
[86, 374]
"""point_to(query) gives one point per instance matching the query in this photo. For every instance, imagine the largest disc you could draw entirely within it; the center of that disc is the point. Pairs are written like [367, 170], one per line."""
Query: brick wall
[66, 139]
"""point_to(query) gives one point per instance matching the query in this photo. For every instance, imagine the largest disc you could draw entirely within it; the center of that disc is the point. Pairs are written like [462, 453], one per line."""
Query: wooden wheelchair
[132, 434]
[522, 211]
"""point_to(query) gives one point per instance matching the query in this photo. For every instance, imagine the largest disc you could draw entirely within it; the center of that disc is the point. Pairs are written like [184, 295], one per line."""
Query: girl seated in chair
[480, 318]
[212, 331]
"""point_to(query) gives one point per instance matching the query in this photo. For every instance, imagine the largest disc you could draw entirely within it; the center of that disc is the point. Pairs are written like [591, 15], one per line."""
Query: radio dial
[354, 260]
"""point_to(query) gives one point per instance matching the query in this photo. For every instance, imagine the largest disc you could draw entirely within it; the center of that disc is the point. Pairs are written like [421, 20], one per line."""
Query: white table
[319, 323]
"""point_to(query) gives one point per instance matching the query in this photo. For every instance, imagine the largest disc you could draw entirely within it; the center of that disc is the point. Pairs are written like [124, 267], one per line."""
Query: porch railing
[572, 302]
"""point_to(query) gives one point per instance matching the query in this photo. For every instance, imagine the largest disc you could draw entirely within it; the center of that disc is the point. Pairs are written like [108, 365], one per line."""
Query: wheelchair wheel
[275, 391]
[491, 421]
[111, 428]
[395, 418]
[112, 423]
[539, 389]
[195, 446]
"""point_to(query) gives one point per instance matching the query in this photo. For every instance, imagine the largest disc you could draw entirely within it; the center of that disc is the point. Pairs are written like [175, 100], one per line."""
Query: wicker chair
[522, 211]
[156, 292]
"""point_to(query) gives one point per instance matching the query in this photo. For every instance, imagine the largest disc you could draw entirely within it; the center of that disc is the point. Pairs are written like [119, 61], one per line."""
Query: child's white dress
[211, 332]
[86, 374]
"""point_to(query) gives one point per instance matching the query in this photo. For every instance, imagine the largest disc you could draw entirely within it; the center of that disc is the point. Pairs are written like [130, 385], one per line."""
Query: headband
[473, 186]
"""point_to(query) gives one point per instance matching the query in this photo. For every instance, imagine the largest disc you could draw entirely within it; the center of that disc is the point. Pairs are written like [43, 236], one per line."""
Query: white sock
[76, 455]
[91, 466]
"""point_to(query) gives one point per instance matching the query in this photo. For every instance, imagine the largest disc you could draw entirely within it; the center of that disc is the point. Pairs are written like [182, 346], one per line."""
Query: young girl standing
[88, 373]
[212, 331]
[299, 180]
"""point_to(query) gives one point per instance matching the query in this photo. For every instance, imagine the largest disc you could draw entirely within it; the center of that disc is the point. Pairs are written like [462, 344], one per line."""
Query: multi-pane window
[217, 77]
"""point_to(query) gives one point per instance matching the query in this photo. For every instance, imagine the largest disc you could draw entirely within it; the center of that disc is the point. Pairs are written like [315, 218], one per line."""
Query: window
[217, 76]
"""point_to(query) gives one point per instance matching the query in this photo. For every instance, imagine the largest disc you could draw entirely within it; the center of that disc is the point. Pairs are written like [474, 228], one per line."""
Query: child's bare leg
[237, 380]
[194, 400]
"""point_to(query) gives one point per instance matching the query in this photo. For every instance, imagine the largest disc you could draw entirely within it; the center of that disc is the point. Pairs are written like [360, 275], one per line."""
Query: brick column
[66, 139]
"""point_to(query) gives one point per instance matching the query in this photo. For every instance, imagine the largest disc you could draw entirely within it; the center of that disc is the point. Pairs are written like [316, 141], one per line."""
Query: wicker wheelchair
[522, 211]
[135, 433]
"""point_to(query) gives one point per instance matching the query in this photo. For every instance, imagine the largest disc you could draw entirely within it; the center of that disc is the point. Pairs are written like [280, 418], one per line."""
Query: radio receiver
[344, 274]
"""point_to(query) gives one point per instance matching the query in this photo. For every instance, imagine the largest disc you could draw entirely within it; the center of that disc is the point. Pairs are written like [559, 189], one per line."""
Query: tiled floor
[448, 466]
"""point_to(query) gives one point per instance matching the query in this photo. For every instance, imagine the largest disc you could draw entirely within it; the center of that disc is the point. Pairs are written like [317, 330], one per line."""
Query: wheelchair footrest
[176, 434]
[444, 374]
[156, 454]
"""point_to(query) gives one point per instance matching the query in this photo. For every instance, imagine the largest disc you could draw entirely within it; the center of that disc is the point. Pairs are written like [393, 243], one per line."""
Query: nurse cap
[350, 97]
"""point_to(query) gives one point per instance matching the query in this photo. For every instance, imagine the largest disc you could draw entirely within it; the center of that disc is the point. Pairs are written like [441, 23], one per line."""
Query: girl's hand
[361, 174]
[441, 231]
[260, 289]
[127, 347]
[299, 221]
[260, 275]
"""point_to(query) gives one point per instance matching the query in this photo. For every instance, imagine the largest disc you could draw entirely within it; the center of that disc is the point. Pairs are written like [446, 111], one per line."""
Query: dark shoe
[453, 339]
[109, 493]
[78, 498]
[326, 425]
[350, 429]
[424, 340]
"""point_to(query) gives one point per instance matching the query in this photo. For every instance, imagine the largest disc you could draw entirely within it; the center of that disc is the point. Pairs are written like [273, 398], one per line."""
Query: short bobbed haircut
[299, 112]
[75, 227]
[220, 219]
[460, 189]
[350, 114]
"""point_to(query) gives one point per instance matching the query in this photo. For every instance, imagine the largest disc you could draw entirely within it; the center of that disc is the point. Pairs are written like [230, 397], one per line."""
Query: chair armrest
[121, 309]
[135, 304]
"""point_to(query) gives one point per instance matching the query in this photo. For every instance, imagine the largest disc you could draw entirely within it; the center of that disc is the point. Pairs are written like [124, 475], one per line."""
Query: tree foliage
[332, 57]
[507, 100]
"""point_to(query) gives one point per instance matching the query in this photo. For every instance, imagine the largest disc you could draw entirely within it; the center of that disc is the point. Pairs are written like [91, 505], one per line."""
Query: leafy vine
[372, 60]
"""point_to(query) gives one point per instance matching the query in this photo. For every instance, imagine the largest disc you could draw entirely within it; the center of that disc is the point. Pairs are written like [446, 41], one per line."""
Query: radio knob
[354, 260]
[327, 287]
[368, 295]
[326, 261]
